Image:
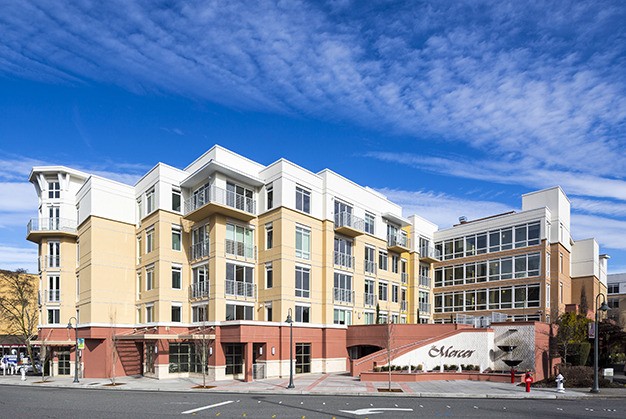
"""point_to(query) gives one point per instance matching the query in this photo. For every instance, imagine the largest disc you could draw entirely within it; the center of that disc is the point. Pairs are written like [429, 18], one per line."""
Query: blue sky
[449, 108]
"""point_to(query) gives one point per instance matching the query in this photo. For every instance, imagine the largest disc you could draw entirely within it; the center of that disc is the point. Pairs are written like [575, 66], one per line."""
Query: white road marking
[186, 412]
[375, 410]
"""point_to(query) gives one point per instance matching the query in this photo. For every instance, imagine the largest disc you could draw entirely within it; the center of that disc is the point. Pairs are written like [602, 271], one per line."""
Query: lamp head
[604, 307]
[69, 324]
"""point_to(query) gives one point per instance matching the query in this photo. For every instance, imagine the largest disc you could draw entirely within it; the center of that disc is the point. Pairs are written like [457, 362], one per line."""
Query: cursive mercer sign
[449, 352]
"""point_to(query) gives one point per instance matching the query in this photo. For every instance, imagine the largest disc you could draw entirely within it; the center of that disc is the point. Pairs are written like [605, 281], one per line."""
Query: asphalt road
[28, 402]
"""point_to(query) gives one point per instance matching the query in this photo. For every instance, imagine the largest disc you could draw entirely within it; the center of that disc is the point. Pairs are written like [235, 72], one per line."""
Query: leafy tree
[19, 310]
[572, 330]
[611, 336]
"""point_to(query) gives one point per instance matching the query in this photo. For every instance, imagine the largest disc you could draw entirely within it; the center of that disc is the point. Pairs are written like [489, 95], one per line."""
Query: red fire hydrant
[512, 375]
[528, 379]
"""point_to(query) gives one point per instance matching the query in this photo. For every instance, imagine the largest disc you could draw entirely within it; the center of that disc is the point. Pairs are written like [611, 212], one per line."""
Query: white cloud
[608, 232]
[12, 258]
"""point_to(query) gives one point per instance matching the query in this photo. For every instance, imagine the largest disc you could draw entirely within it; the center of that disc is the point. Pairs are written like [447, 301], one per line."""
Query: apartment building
[617, 298]
[221, 254]
[523, 265]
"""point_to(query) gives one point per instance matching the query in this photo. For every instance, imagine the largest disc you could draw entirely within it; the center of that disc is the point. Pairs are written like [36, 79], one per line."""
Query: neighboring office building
[224, 250]
[525, 265]
[617, 298]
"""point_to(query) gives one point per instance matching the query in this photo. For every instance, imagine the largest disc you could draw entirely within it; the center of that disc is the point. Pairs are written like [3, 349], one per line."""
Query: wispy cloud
[12, 258]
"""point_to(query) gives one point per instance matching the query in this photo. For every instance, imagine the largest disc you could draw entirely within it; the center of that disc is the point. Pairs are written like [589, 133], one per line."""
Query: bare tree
[19, 309]
[203, 339]
[113, 319]
[388, 339]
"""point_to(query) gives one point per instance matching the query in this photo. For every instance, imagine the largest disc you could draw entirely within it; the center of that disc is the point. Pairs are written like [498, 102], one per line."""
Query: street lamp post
[69, 326]
[603, 307]
[290, 321]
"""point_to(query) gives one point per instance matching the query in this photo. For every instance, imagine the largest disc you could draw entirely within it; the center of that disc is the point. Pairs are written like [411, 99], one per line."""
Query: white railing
[238, 248]
[346, 219]
[404, 305]
[343, 295]
[240, 289]
[369, 267]
[424, 307]
[398, 239]
[214, 194]
[344, 259]
[53, 262]
[369, 299]
[425, 281]
[199, 290]
[53, 296]
[199, 250]
[404, 277]
[51, 224]
[430, 252]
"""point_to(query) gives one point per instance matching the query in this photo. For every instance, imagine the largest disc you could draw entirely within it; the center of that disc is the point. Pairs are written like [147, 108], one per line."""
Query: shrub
[454, 367]
[376, 369]
[446, 367]
[577, 376]
[419, 367]
[580, 353]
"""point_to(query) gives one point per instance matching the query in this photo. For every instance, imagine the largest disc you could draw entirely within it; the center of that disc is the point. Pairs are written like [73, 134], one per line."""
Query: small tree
[19, 311]
[388, 341]
[572, 330]
[202, 341]
[377, 313]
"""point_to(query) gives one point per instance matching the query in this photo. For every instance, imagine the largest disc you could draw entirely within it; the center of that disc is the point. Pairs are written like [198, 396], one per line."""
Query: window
[561, 263]
[303, 200]
[547, 295]
[303, 282]
[138, 284]
[370, 292]
[303, 358]
[343, 288]
[303, 314]
[343, 252]
[394, 263]
[183, 358]
[270, 196]
[269, 236]
[54, 289]
[547, 265]
[177, 310]
[342, 316]
[54, 254]
[176, 237]
[54, 316]
[176, 277]
[394, 293]
[239, 280]
[149, 240]
[239, 241]
[370, 261]
[149, 314]
[238, 312]
[382, 260]
[176, 200]
[139, 211]
[560, 292]
[239, 197]
[269, 275]
[368, 317]
[369, 223]
[382, 291]
[150, 201]
[613, 288]
[303, 242]
[54, 190]
[149, 278]
[233, 353]
[199, 313]
[138, 249]
[77, 252]
[200, 242]
[268, 312]
[77, 287]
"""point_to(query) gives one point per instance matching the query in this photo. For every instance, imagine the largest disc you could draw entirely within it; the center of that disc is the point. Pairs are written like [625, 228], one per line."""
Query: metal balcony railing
[369, 299]
[344, 259]
[343, 295]
[404, 277]
[346, 219]
[430, 252]
[424, 307]
[370, 267]
[214, 194]
[199, 290]
[53, 296]
[199, 250]
[401, 240]
[51, 224]
[404, 305]
[52, 261]
[238, 248]
[240, 289]
[425, 281]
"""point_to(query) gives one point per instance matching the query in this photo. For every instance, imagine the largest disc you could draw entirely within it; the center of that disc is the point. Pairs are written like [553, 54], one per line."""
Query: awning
[53, 342]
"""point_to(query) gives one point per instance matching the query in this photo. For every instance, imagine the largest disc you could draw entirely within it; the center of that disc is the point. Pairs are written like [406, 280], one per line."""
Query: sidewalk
[321, 384]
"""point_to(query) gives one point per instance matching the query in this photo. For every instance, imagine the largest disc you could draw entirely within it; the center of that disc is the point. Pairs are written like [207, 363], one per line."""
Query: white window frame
[304, 252]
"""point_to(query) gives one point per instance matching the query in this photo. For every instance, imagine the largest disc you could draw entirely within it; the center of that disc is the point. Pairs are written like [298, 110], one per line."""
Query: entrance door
[63, 355]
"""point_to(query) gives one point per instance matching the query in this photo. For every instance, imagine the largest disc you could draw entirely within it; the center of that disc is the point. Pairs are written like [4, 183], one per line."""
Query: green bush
[579, 353]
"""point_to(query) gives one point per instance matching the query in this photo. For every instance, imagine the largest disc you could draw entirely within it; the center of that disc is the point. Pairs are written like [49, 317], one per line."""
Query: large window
[303, 199]
[234, 358]
[303, 282]
[303, 314]
[519, 296]
[370, 260]
[239, 280]
[239, 197]
[54, 254]
[303, 242]
[342, 316]
[239, 312]
[303, 358]
[239, 241]
[343, 252]
[343, 288]
[183, 358]
[199, 313]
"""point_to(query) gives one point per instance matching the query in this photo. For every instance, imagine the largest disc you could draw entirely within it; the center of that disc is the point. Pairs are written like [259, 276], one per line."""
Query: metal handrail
[424, 307]
[404, 305]
[199, 250]
[369, 299]
[347, 219]
[53, 296]
[398, 239]
[213, 194]
[52, 261]
[343, 295]
[344, 259]
[237, 248]
[425, 281]
[430, 252]
[369, 266]
[404, 277]
[199, 289]
[51, 224]
[240, 289]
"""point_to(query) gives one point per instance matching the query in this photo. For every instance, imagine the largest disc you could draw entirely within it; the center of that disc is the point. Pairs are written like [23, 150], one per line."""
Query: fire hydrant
[23, 371]
[559, 383]
[528, 379]
[512, 375]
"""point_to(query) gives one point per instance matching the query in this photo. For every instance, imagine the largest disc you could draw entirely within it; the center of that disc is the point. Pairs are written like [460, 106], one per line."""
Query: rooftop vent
[462, 219]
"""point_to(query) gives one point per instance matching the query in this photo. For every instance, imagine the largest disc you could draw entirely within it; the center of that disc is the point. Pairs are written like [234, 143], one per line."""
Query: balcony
[369, 299]
[430, 254]
[52, 296]
[344, 260]
[199, 250]
[240, 289]
[241, 249]
[404, 305]
[398, 243]
[213, 200]
[199, 290]
[424, 281]
[349, 225]
[369, 266]
[404, 277]
[343, 295]
[44, 227]
[424, 308]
